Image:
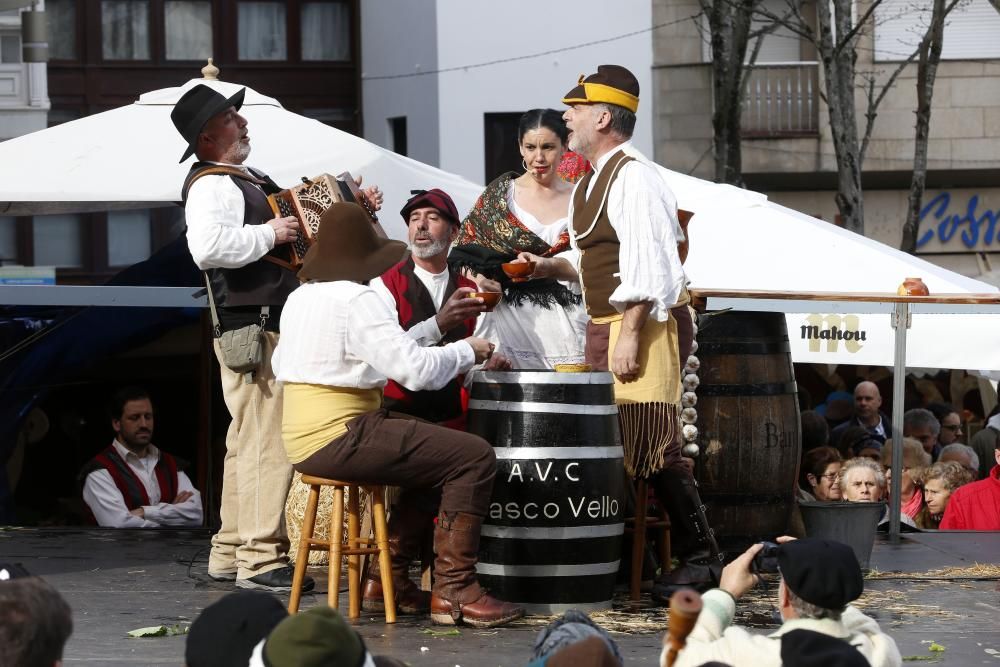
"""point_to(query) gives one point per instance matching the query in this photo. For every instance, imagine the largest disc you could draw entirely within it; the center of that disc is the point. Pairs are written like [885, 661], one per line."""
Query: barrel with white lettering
[552, 536]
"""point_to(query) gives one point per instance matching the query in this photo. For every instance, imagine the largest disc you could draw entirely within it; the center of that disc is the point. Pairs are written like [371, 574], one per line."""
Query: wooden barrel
[748, 424]
[552, 537]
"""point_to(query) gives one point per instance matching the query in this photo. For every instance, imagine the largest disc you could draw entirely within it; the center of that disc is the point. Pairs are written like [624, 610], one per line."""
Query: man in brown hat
[340, 343]
[231, 233]
[624, 222]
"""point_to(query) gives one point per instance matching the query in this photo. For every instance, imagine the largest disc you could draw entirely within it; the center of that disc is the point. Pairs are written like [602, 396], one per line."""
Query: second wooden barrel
[748, 424]
[553, 533]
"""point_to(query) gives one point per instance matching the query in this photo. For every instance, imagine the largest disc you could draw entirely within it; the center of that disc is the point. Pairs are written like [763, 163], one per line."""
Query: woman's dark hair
[941, 410]
[815, 462]
[547, 118]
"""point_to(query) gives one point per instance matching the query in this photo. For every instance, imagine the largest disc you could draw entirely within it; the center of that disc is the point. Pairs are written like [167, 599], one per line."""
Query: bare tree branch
[849, 36]
[996, 4]
[872, 111]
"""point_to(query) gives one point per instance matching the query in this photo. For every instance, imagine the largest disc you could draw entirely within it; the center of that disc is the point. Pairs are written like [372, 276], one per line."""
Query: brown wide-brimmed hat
[613, 84]
[347, 247]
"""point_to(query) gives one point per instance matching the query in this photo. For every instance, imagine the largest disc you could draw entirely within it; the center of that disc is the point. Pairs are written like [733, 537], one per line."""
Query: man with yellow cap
[624, 223]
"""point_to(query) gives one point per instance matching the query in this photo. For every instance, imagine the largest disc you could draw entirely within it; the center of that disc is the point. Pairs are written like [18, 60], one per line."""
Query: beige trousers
[256, 475]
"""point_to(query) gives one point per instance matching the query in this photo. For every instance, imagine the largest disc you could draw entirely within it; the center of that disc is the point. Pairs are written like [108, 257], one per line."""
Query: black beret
[821, 572]
[227, 631]
[805, 648]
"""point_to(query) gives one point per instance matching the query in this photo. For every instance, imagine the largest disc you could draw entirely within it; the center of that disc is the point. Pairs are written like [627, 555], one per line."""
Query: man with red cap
[625, 224]
[432, 304]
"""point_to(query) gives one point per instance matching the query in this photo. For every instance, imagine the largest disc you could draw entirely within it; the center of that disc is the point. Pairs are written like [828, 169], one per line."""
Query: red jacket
[975, 506]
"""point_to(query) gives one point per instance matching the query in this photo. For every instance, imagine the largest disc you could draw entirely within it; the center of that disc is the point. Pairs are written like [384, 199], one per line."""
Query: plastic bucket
[852, 524]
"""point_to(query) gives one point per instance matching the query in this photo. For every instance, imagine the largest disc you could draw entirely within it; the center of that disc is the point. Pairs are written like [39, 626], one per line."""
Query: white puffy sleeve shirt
[216, 235]
[643, 212]
[343, 334]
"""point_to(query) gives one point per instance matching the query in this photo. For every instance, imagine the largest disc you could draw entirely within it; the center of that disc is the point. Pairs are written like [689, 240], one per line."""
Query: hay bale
[295, 509]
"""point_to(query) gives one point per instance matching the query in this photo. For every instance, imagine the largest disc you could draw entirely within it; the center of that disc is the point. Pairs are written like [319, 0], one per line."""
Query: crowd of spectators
[849, 458]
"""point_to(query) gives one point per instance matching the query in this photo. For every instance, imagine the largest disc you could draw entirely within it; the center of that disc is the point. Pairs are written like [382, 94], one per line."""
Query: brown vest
[596, 238]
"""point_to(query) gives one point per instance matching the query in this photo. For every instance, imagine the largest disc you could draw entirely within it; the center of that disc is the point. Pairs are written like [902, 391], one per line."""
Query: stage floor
[117, 581]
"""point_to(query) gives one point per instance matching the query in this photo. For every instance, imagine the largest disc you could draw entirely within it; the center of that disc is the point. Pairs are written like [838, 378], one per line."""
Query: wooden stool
[352, 548]
[638, 526]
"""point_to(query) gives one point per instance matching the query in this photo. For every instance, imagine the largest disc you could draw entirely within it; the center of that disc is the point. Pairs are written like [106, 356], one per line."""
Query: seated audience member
[976, 506]
[938, 482]
[914, 459]
[963, 455]
[35, 620]
[862, 480]
[950, 421]
[984, 442]
[815, 432]
[132, 484]
[226, 632]
[820, 476]
[574, 639]
[317, 637]
[819, 578]
[922, 425]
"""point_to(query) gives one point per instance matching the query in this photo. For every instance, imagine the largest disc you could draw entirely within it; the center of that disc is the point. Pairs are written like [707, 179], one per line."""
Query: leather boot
[457, 597]
[691, 537]
[407, 527]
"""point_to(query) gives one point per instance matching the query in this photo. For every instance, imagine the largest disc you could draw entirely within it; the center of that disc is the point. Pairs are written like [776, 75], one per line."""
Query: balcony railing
[781, 101]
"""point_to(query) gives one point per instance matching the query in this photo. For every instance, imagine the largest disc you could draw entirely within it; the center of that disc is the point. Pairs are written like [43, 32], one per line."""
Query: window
[502, 154]
[970, 32]
[10, 49]
[397, 126]
[125, 29]
[129, 239]
[326, 31]
[8, 240]
[188, 28]
[62, 29]
[263, 34]
[58, 240]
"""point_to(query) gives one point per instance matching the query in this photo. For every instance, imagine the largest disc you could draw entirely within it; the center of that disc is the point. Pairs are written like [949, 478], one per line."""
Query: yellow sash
[313, 415]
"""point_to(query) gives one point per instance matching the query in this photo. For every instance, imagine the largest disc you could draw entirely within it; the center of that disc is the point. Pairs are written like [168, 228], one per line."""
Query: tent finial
[210, 71]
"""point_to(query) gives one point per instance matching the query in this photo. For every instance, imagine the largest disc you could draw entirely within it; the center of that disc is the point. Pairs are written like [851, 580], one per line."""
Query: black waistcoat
[240, 293]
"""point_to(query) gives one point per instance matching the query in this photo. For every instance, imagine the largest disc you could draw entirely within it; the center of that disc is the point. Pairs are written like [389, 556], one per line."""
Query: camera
[766, 560]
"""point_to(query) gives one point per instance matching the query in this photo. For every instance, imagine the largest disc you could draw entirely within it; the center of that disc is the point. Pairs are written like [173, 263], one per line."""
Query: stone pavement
[117, 581]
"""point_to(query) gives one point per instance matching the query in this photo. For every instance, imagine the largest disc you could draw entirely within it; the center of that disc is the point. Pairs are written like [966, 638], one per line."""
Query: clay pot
[913, 287]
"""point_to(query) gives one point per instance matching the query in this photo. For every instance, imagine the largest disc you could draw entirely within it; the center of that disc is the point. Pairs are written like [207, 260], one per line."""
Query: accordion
[307, 202]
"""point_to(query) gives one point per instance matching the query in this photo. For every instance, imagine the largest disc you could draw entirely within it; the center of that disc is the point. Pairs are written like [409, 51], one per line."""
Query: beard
[428, 251]
[237, 153]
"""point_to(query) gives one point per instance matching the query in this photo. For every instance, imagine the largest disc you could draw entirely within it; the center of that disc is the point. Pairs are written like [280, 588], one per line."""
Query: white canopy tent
[127, 158]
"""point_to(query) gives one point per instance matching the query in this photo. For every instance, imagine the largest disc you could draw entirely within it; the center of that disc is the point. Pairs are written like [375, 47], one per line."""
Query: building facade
[788, 150]
[105, 53]
[445, 82]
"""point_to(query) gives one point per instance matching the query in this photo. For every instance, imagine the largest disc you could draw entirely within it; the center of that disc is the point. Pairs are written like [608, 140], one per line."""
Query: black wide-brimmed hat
[227, 631]
[613, 84]
[347, 247]
[435, 198]
[195, 108]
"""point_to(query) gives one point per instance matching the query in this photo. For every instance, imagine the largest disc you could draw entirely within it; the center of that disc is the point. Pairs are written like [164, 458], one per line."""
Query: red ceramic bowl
[491, 299]
[519, 272]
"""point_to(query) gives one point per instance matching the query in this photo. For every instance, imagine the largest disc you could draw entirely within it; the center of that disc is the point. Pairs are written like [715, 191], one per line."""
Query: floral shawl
[492, 235]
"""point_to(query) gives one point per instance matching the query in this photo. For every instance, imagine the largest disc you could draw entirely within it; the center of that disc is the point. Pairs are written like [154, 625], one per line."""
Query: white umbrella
[127, 158]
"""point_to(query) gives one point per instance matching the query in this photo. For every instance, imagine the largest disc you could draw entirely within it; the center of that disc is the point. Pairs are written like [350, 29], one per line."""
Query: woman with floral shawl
[541, 322]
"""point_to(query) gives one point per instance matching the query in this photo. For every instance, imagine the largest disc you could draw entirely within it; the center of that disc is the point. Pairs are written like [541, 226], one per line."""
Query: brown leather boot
[457, 596]
[407, 527]
[691, 537]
